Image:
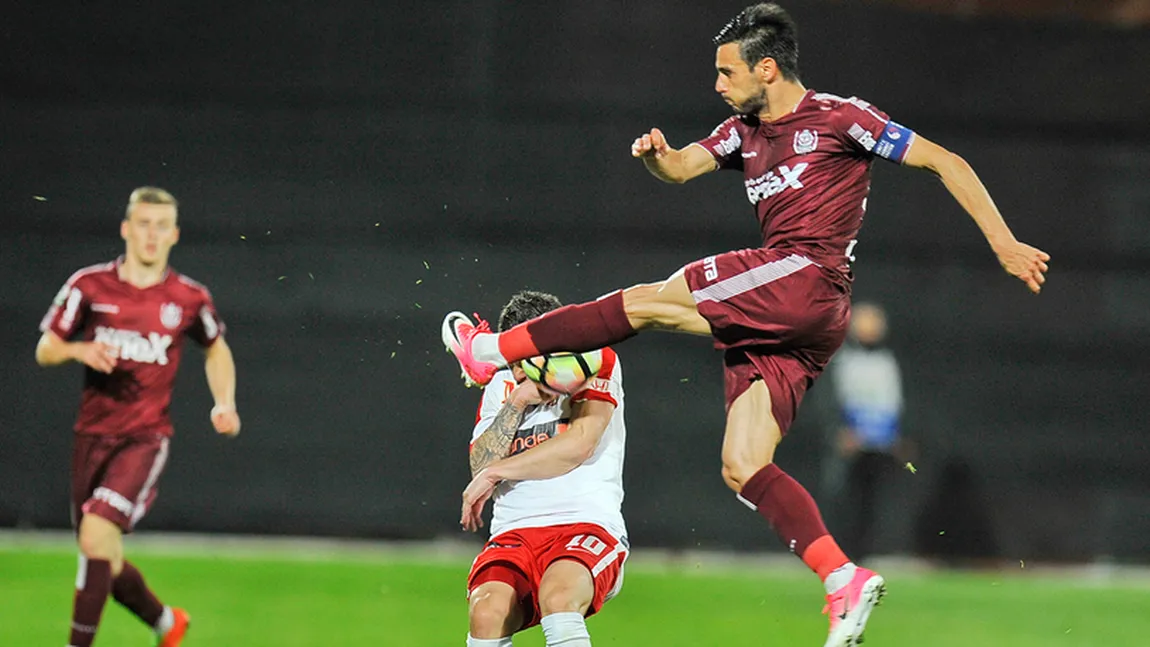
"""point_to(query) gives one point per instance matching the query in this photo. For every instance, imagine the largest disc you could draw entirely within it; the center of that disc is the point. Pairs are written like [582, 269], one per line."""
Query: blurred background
[350, 171]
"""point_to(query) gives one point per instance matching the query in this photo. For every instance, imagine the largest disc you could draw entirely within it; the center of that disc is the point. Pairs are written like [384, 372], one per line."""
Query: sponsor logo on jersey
[772, 183]
[106, 308]
[806, 141]
[710, 271]
[749, 154]
[135, 347]
[862, 136]
[527, 438]
[171, 315]
[729, 145]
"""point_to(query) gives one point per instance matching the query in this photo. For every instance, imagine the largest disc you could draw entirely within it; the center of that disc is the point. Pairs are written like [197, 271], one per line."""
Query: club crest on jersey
[806, 141]
[171, 315]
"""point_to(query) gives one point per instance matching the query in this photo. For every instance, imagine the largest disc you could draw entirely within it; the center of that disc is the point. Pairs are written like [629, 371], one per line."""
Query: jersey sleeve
[494, 395]
[68, 310]
[206, 327]
[869, 131]
[607, 386]
[724, 143]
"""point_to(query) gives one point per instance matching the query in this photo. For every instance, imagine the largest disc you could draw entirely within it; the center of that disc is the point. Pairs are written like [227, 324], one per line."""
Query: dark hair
[526, 305]
[764, 31]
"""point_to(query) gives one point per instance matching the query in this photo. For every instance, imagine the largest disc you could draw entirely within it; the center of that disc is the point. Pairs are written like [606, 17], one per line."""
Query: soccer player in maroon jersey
[780, 311]
[125, 321]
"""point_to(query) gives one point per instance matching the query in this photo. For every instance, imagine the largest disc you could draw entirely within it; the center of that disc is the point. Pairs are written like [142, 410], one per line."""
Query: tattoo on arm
[494, 443]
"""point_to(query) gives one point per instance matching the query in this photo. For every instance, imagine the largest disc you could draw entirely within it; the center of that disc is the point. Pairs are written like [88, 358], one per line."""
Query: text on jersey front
[772, 183]
[133, 346]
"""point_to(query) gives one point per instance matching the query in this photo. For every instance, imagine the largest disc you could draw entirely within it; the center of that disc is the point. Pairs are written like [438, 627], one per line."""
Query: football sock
[567, 629]
[130, 590]
[795, 517]
[93, 584]
[488, 642]
[576, 328]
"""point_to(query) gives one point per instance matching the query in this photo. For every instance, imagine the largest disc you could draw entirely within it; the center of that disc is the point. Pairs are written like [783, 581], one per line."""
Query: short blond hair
[149, 195]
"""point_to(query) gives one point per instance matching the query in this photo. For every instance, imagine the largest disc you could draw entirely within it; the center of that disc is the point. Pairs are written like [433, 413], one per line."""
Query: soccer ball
[563, 372]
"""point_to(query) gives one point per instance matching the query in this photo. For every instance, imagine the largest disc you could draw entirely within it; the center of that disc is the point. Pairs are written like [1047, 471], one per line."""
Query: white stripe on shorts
[609, 558]
[157, 466]
[755, 277]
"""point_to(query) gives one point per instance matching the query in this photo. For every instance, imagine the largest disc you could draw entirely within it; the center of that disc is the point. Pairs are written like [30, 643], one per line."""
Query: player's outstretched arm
[556, 457]
[668, 164]
[51, 350]
[220, 368]
[1026, 263]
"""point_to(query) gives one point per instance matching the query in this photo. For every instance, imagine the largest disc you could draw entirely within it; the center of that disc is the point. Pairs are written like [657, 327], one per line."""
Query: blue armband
[894, 142]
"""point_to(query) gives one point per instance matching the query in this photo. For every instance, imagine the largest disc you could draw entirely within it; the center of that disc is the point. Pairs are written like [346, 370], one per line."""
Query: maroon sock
[787, 506]
[93, 583]
[130, 590]
[576, 328]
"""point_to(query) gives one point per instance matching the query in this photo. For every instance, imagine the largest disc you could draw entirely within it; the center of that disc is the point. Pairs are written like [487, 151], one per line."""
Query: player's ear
[124, 229]
[768, 69]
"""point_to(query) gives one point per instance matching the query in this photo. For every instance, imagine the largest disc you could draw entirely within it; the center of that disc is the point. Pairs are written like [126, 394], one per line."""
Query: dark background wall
[350, 172]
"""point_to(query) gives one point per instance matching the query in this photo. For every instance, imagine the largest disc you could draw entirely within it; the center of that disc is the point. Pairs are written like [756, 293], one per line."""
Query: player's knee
[562, 599]
[737, 472]
[638, 304]
[489, 615]
[647, 307]
[730, 480]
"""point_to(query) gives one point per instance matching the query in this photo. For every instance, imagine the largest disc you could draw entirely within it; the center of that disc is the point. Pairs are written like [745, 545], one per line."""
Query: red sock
[575, 328]
[795, 517]
[130, 590]
[93, 583]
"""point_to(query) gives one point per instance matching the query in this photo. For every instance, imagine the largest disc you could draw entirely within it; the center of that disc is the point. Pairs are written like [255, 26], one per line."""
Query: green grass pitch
[290, 601]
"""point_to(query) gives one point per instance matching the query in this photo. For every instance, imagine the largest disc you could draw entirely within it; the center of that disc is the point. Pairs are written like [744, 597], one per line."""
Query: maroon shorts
[520, 557]
[115, 477]
[779, 316]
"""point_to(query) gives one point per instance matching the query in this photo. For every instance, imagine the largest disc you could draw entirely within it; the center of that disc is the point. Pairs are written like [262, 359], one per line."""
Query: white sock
[166, 622]
[488, 642]
[567, 629]
[840, 577]
[485, 348]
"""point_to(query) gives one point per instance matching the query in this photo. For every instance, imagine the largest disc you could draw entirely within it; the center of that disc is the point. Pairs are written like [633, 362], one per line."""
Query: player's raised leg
[565, 593]
[749, 444]
[493, 614]
[666, 305]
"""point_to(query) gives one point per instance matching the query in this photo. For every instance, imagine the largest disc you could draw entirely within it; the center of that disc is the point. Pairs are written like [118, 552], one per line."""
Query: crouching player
[554, 465]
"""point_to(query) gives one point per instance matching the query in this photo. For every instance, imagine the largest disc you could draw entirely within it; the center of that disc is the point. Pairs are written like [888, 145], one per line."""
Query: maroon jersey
[808, 173]
[147, 326]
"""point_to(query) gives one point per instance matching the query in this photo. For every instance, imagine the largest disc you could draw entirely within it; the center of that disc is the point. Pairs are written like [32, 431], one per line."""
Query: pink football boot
[850, 607]
[459, 335]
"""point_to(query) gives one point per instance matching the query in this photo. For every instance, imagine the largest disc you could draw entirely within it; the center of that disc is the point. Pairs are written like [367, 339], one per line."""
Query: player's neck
[782, 99]
[139, 275]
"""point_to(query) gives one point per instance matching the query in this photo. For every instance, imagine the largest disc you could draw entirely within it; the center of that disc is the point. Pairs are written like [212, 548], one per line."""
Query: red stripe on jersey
[609, 361]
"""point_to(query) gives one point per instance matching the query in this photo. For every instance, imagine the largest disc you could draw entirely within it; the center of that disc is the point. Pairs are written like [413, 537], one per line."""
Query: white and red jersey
[590, 493]
[147, 327]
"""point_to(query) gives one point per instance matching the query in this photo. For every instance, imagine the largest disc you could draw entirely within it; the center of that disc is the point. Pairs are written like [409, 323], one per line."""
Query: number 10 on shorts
[589, 543]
